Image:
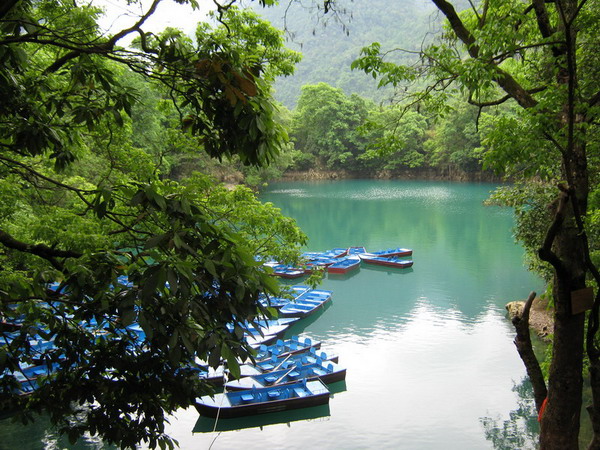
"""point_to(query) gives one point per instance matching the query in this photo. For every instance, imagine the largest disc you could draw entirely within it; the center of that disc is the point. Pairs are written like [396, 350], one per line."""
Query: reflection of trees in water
[521, 430]
[41, 434]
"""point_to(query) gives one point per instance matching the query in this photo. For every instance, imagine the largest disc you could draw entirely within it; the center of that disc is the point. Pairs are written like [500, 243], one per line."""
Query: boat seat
[319, 372]
[273, 395]
[270, 379]
[300, 392]
[246, 398]
[293, 375]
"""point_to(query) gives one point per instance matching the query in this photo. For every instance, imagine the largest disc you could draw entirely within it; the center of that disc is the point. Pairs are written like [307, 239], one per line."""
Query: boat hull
[341, 268]
[400, 264]
[395, 252]
[315, 394]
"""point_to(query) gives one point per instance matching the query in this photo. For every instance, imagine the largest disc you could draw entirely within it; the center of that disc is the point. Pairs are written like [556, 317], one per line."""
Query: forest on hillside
[342, 120]
[329, 43]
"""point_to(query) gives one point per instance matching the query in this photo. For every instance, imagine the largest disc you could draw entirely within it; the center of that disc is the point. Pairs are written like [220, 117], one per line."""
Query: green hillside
[331, 42]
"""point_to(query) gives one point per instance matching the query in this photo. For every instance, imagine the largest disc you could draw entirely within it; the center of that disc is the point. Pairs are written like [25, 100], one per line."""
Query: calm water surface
[429, 352]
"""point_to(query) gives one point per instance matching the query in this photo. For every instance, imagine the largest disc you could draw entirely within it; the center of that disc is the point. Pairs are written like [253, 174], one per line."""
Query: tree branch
[545, 252]
[459, 28]
[525, 349]
[48, 253]
[502, 78]
[105, 47]
[500, 100]
[543, 20]
[6, 6]
[594, 100]
[79, 192]
[514, 89]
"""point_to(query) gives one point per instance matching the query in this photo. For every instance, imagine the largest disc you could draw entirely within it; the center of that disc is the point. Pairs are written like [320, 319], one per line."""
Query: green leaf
[214, 358]
[210, 267]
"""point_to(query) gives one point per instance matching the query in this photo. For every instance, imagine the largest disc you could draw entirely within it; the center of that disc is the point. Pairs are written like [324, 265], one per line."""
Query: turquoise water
[428, 350]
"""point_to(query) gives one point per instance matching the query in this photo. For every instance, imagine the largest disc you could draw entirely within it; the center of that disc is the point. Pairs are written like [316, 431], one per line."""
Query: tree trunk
[593, 409]
[567, 252]
[561, 418]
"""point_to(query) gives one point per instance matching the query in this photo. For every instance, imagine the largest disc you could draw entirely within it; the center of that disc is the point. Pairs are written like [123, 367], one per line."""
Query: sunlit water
[428, 350]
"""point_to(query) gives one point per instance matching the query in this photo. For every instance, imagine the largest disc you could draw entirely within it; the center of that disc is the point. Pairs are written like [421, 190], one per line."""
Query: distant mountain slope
[330, 45]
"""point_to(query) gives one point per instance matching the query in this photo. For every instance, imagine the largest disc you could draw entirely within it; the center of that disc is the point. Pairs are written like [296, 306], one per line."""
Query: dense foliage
[95, 233]
[333, 131]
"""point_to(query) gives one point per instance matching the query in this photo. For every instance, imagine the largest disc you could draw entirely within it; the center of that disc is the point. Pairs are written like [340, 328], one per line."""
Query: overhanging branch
[48, 253]
[504, 79]
[104, 47]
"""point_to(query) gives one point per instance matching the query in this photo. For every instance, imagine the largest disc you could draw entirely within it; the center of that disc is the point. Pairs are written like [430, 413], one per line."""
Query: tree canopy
[131, 276]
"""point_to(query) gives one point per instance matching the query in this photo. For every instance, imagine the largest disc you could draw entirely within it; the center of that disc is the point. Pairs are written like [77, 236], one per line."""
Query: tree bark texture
[561, 419]
[594, 408]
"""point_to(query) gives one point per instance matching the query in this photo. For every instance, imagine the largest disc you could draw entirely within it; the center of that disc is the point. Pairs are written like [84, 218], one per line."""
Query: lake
[429, 350]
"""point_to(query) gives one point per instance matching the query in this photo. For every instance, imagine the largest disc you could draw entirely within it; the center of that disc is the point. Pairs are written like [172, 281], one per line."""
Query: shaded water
[429, 351]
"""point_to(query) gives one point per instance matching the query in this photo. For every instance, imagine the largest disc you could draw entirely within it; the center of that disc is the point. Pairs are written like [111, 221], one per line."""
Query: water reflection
[345, 276]
[521, 429]
[388, 271]
[40, 434]
[210, 425]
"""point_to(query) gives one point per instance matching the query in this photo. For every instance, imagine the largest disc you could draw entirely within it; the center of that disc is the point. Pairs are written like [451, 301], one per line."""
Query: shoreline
[430, 174]
[541, 319]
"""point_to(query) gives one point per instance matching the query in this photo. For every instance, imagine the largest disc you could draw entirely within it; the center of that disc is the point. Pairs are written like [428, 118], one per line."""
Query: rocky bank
[540, 316]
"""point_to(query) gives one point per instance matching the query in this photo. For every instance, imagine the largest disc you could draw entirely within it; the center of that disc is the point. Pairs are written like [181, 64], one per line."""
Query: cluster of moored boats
[301, 302]
[285, 374]
[342, 261]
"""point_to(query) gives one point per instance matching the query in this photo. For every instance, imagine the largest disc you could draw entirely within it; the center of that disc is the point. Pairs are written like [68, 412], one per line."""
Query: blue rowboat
[326, 371]
[393, 252]
[284, 348]
[344, 265]
[300, 394]
[305, 304]
[277, 362]
[356, 250]
[388, 262]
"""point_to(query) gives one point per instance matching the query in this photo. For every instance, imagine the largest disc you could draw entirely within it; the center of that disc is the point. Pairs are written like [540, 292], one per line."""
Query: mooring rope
[225, 379]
